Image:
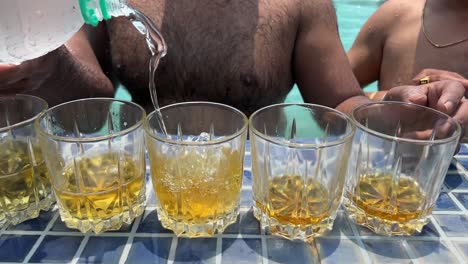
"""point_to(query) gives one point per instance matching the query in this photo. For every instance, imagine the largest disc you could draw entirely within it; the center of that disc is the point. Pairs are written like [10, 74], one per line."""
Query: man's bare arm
[322, 70]
[365, 56]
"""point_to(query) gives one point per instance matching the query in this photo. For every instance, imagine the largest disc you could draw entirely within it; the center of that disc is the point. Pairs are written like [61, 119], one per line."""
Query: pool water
[351, 14]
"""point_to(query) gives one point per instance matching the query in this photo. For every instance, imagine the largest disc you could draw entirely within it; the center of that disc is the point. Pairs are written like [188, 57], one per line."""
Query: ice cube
[204, 137]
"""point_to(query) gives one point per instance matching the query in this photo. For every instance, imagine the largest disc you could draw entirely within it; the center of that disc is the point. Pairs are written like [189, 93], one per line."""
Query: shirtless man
[398, 45]
[247, 54]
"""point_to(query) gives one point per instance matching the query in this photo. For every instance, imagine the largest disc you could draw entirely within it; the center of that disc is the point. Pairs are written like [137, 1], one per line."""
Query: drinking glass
[196, 156]
[94, 150]
[401, 153]
[24, 186]
[299, 161]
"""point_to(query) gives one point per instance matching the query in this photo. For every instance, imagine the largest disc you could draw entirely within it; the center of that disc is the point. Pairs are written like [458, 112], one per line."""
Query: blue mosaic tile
[37, 224]
[59, 226]
[281, 250]
[341, 226]
[362, 230]
[429, 230]
[246, 198]
[151, 199]
[196, 250]
[463, 198]
[247, 146]
[456, 181]
[14, 248]
[124, 229]
[338, 251]
[239, 251]
[463, 149]
[103, 250]
[445, 203]
[386, 251]
[147, 175]
[149, 250]
[248, 161]
[57, 249]
[452, 167]
[463, 248]
[431, 252]
[246, 224]
[150, 223]
[453, 225]
[464, 162]
[247, 180]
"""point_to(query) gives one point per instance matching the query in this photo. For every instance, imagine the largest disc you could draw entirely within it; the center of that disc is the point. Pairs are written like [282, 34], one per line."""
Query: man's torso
[233, 52]
[407, 51]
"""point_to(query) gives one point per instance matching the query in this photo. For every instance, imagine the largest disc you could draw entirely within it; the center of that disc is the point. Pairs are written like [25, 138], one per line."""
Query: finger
[7, 72]
[6, 67]
[465, 84]
[419, 135]
[20, 86]
[455, 75]
[417, 95]
[13, 73]
[435, 72]
[461, 116]
[445, 96]
[432, 78]
[417, 98]
[444, 77]
[423, 74]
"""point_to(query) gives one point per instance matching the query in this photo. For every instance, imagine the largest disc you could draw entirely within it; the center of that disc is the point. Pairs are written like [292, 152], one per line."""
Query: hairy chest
[237, 52]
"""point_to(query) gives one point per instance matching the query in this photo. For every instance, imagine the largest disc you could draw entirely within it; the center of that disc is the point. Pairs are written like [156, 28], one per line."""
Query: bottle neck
[94, 11]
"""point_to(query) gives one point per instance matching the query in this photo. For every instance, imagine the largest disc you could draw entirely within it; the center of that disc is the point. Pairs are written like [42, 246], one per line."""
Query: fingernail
[449, 106]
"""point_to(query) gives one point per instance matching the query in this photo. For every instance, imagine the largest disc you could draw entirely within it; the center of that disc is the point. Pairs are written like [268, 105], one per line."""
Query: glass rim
[455, 135]
[90, 139]
[347, 136]
[191, 143]
[29, 120]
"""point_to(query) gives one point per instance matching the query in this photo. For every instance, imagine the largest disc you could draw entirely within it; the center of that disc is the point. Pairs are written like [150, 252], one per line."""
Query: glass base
[47, 203]
[303, 232]
[382, 226]
[102, 225]
[18, 217]
[207, 229]
[33, 210]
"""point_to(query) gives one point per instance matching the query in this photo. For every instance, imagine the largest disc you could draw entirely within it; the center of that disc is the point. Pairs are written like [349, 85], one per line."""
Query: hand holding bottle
[29, 75]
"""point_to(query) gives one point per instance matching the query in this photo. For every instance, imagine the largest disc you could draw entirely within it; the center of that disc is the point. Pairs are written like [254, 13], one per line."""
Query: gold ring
[425, 80]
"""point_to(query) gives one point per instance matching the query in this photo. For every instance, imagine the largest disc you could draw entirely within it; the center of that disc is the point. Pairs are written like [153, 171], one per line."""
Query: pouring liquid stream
[158, 49]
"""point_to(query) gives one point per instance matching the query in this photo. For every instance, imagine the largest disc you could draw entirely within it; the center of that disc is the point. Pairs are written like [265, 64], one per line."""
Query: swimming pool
[351, 14]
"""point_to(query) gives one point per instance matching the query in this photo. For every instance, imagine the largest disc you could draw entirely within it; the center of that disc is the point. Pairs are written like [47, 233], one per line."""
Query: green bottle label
[105, 12]
[89, 14]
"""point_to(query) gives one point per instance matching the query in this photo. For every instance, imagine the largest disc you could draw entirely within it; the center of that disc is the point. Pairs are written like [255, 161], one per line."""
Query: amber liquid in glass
[291, 201]
[99, 187]
[24, 184]
[197, 188]
[398, 200]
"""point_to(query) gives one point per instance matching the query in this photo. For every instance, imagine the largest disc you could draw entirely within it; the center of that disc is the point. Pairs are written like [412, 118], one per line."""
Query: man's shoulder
[394, 13]
[401, 6]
